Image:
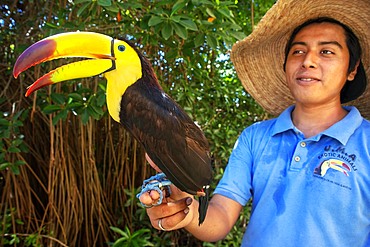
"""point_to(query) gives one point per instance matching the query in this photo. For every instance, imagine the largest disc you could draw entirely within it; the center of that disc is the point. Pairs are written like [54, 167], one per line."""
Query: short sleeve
[236, 181]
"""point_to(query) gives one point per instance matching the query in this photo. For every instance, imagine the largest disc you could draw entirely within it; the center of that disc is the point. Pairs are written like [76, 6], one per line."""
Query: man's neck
[313, 120]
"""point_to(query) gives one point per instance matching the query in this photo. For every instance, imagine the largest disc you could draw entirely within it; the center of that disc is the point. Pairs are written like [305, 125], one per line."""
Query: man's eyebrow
[298, 43]
[320, 43]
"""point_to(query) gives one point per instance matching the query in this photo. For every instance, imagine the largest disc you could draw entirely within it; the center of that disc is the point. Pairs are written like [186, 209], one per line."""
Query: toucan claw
[158, 182]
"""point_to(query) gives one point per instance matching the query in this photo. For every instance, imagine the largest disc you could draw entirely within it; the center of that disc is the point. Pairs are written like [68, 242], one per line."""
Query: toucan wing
[171, 139]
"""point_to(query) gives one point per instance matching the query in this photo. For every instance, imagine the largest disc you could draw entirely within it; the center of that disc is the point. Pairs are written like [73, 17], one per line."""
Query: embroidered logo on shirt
[334, 164]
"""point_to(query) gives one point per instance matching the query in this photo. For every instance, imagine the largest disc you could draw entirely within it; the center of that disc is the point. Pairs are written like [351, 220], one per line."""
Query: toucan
[135, 99]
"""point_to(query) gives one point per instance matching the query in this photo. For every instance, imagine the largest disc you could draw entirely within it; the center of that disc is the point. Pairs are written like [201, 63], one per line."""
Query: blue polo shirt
[306, 191]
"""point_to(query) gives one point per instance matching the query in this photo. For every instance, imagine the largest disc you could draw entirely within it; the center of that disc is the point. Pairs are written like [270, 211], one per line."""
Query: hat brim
[259, 58]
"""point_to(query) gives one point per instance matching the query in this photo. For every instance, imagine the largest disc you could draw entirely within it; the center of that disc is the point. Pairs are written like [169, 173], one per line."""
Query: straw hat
[259, 58]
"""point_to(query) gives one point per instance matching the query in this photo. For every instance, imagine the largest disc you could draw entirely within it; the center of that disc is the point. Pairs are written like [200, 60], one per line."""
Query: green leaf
[58, 98]
[23, 147]
[74, 105]
[177, 6]
[210, 12]
[180, 31]
[105, 3]
[17, 115]
[85, 116]
[189, 24]
[81, 1]
[20, 162]
[175, 18]
[100, 100]
[238, 35]
[5, 133]
[51, 108]
[19, 222]
[62, 115]
[103, 86]
[17, 123]
[155, 20]
[117, 230]
[48, 24]
[76, 96]
[94, 112]
[234, 26]
[199, 40]
[14, 150]
[211, 41]
[112, 8]
[203, 2]
[130, 4]
[4, 122]
[15, 169]
[82, 8]
[5, 165]
[225, 12]
[17, 142]
[167, 31]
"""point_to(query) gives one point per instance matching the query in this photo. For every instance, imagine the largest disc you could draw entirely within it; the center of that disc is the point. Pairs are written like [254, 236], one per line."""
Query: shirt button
[303, 144]
[297, 158]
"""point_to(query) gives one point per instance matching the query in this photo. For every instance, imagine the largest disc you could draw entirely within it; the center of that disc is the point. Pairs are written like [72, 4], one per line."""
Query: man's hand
[176, 211]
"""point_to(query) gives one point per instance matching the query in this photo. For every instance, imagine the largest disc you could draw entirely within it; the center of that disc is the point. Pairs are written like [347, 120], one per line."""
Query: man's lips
[307, 79]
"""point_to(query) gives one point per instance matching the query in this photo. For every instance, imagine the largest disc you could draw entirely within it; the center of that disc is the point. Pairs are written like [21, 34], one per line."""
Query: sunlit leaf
[3, 166]
[210, 12]
[177, 6]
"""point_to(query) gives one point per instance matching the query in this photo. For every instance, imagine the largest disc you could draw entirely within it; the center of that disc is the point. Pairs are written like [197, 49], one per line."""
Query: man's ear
[353, 73]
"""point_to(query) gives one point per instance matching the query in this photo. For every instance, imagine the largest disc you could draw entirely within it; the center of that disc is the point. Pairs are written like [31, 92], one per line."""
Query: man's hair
[352, 89]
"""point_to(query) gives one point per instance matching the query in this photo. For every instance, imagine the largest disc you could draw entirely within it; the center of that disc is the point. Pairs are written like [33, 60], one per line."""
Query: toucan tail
[203, 204]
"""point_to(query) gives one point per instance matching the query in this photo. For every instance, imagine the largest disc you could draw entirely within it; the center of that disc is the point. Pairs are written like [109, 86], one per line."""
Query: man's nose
[310, 60]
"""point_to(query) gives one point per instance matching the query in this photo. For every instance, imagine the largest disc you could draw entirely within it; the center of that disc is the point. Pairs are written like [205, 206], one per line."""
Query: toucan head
[117, 60]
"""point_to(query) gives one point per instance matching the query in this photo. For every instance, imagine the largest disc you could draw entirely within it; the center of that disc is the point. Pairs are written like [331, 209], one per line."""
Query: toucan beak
[97, 46]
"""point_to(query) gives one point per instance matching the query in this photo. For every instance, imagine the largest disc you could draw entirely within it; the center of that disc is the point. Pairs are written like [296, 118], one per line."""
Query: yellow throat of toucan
[128, 70]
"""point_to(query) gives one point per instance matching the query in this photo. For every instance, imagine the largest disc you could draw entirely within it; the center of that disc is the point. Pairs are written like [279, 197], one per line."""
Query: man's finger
[175, 220]
[168, 209]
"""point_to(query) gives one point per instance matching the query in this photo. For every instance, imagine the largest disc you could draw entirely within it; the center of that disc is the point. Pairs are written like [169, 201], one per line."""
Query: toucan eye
[121, 48]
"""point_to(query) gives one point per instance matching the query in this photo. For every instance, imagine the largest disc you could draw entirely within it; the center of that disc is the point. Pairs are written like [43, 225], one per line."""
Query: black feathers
[170, 137]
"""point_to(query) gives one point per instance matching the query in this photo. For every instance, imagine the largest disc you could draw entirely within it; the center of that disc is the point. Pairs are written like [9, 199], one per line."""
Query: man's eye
[297, 52]
[327, 52]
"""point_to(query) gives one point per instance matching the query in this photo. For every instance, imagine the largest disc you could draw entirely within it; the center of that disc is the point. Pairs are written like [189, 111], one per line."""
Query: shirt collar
[341, 130]
[284, 121]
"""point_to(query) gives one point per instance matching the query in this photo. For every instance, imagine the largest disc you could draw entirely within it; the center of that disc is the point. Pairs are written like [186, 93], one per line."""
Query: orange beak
[96, 46]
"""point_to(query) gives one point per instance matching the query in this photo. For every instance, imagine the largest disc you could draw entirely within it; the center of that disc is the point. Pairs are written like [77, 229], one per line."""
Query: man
[308, 171]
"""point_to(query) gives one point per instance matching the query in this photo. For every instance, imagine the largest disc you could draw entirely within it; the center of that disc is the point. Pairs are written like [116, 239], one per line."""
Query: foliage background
[68, 173]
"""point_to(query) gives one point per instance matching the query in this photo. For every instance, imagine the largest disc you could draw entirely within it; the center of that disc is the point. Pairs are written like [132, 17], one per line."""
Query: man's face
[317, 64]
